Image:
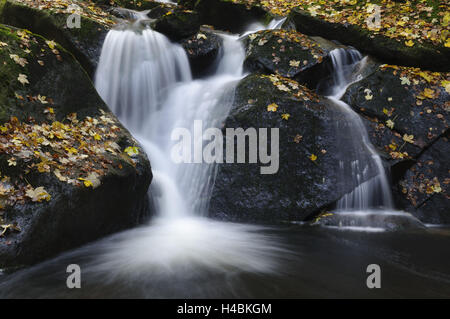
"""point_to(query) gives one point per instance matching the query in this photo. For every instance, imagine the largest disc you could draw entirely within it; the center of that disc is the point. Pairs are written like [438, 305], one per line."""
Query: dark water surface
[322, 263]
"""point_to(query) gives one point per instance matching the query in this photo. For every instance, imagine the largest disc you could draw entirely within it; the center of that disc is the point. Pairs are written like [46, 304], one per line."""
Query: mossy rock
[288, 53]
[55, 132]
[225, 14]
[130, 4]
[308, 180]
[423, 55]
[178, 24]
[84, 43]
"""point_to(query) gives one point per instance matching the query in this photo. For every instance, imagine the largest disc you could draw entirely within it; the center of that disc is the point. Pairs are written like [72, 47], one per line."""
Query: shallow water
[299, 262]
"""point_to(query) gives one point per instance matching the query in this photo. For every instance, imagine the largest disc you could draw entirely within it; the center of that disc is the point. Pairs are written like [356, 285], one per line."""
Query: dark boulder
[424, 189]
[308, 180]
[202, 50]
[424, 55]
[139, 5]
[408, 103]
[178, 24]
[225, 14]
[85, 43]
[288, 53]
[406, 113]
[70, 172]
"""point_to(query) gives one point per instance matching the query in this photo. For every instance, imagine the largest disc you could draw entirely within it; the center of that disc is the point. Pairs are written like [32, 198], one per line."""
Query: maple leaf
[405, 81]
[38, 195]
[262, 42]
[298, 138]
[409, 43]
[51, 44]
[272, 107]
[294, 63]
[285, 116]
[20, 61]
[22, 78]
[429, 93]
[132, 150]
[42, 99]
[12, 162]
[408, 138]
[390, 124]
[313, 157]
[446, 85]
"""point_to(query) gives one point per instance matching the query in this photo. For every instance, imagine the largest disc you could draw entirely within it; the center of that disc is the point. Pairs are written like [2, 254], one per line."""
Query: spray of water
[146, 80]
[369, 205]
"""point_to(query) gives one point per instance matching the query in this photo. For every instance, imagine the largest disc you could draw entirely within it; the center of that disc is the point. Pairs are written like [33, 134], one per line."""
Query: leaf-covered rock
[394, 50]
[288, 53]
[50, 21]
[424, 188]
[178, 24]
[308, 180]
[410, 104]
[66, 178]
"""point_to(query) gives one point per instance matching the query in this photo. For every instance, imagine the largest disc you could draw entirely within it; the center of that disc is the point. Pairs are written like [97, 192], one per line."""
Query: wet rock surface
[203, 50]
[84, 43]
[288, 53]
[308, 179]
[424, 55]
[71, 173]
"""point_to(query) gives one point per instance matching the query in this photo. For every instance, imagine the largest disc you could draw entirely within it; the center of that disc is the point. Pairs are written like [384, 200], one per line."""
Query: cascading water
[370, 183]
[146, 81]
[369, 205]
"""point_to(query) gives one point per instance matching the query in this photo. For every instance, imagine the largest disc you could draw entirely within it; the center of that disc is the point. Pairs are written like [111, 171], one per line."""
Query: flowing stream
[146, 80]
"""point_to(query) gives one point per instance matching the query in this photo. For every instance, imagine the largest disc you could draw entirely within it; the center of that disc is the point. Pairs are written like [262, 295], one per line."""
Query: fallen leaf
[272, 107]
[22, 78]
[132, 150]
[38, 195]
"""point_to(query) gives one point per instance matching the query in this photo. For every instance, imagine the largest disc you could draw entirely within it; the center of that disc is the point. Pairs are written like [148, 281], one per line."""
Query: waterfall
[146, 80]
[360, 161]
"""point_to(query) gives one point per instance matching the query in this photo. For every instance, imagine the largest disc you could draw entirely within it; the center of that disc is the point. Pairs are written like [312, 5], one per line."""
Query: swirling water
[146, 81]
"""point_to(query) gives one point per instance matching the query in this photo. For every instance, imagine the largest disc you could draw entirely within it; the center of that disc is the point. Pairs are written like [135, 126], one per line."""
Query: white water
[369, 207]
[146, 80]
[370, 182]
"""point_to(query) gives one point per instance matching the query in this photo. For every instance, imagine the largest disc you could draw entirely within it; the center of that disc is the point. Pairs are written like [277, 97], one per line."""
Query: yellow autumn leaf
[426, 76]
[446, 85]
[272, 107]
[390, 124]
[132, 150]
[38, 195]
[22, 78]
[285, 116]
[313, 157]
[88, 183]
[409, 43]
[447, 43]
[294, 63]
[408, 138]
[51, 44]
[429, 93]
